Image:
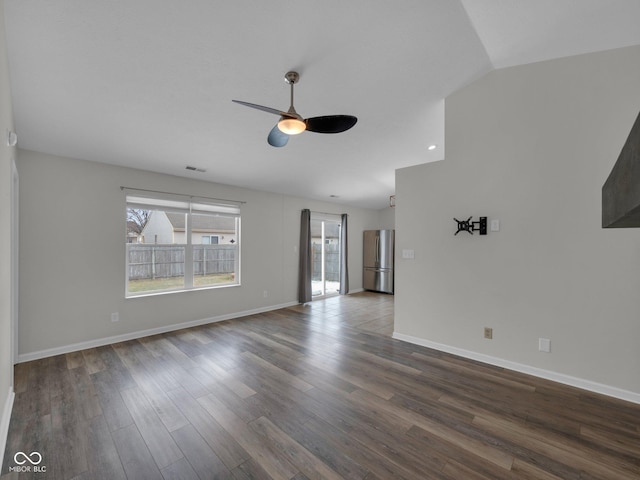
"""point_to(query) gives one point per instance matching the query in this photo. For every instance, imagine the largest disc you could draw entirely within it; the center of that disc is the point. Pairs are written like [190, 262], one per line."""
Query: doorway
[325, 255]
[14, 264]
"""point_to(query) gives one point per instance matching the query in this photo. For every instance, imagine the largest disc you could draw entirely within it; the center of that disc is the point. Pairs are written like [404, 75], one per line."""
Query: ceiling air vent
[195, 169]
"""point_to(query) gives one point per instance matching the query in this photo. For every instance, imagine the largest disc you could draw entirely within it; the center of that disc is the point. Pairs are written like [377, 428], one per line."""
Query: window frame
[211, 237]
[188, 205]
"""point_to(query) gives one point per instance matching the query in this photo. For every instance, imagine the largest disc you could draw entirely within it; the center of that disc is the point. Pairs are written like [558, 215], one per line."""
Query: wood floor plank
[386, 363]
[455, 471]
[134, 454]
[629, 444]
[250, 470]
[441, 430]
[272, 461]
[575, 456]
[379, 431]
[85, 394]
[361, 453]
[373, 387]
[306, 392]
[113, 408]
[306, 462]
[200, 456]
[74, 360]
[323, 442]
[226, 377]
[162, 405]
[120, 375]
[179, 372]
[271, 370]
[180, 470]
[93, 360]
[67, 434]
[527, 471]
[103, 459]
[158, 439]
[220, 441]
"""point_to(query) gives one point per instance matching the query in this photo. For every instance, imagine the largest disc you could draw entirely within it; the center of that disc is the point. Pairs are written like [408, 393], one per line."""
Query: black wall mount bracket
[470, 226]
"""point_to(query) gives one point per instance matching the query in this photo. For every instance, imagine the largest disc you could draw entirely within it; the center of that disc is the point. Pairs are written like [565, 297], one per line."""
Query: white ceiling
[149, 83]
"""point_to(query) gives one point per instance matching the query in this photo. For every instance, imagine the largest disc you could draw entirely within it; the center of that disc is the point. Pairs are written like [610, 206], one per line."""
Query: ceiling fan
[292, 124]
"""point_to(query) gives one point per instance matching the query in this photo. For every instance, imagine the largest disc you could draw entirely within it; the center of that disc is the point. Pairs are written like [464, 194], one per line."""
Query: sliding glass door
[325, 255]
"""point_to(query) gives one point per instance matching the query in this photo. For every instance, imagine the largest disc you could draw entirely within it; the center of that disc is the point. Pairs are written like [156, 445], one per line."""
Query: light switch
[407, 254]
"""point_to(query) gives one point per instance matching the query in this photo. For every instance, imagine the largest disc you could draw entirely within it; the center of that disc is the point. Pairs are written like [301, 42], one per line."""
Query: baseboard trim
[4, 423]
[519, 367]
[99, 342]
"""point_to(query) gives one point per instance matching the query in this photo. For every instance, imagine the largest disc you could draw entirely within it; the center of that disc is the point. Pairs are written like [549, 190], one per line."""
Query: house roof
[163, 74]
[203, 223]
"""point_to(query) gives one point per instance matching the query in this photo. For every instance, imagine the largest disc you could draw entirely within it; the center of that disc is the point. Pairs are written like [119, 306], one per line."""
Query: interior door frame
[15, 229]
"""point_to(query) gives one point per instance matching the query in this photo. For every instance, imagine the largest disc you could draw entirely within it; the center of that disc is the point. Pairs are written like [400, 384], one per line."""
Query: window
[176, 243]
[210, 239]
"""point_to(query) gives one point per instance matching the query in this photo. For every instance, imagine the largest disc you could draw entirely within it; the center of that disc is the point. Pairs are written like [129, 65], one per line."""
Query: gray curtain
[344, 256]
[304, 269]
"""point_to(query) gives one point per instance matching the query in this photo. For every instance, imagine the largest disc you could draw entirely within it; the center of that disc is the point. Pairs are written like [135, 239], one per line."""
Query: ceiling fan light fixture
[291, 126]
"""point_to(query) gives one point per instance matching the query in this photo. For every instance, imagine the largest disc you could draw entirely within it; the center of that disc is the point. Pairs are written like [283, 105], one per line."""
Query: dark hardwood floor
[319, 391]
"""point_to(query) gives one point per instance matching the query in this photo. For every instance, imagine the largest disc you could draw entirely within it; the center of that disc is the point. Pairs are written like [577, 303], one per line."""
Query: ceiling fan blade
[330, 123]
[277, 138]
[264, 109]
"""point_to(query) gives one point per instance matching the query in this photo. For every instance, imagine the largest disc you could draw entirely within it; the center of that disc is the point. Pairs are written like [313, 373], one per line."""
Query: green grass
[174, 283]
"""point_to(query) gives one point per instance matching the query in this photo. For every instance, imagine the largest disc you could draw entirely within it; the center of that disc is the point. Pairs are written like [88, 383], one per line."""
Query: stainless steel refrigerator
[378, 260]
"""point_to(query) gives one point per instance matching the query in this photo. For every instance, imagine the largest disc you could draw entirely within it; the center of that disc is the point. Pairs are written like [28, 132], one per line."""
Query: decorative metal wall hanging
[469, 226]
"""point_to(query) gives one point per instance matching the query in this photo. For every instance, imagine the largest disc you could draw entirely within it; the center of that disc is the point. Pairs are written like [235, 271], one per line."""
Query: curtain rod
[327, 213]
[181, 194]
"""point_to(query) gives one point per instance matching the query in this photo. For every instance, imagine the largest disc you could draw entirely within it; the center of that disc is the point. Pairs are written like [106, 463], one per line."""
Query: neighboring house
[132, 232]
[169, 228]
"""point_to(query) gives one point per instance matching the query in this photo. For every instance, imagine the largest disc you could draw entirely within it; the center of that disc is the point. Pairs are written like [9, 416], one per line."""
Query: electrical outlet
[115, 317]
[488, 333]
[544, 345]
[265, 294]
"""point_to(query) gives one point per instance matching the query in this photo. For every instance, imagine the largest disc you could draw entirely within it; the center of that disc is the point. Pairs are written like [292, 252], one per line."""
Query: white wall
[70, 287]
[6, 286]
[387, 219]
[530, 146]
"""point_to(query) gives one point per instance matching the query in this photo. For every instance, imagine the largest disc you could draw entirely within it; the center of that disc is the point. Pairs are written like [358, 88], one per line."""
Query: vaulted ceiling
[149, 83]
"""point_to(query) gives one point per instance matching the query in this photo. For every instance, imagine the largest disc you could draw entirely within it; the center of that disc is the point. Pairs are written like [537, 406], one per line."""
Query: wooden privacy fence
[162, 261]
[332, 262]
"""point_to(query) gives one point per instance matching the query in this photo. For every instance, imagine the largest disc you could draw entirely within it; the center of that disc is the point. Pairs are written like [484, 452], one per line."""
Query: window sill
[169, 292]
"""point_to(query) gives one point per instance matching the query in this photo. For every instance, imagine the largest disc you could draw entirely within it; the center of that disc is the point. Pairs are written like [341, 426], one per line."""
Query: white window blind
[177, 203]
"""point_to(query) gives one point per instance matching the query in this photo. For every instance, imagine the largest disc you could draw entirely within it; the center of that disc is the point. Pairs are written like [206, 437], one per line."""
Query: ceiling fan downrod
[292, 78]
